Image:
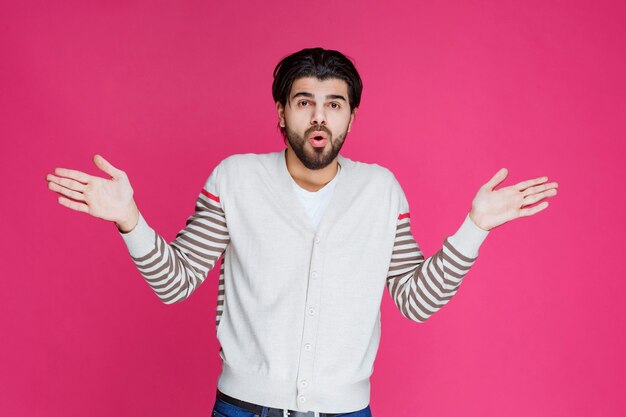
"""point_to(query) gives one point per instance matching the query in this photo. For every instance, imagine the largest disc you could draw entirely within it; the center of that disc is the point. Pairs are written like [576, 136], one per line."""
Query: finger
[532, 199]
[521, 186]
[67, 183]
[533, 210]
[497, 178]
[105, 165]
[72, 173]
[66, 192]
[73, 205]
[540, 188]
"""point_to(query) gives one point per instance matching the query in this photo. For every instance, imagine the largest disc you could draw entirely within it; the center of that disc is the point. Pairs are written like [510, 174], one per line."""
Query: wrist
[128, 222]
[477, 221]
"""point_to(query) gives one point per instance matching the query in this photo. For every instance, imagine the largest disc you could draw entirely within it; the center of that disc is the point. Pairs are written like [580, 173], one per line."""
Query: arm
[176, 269]
[173, 271]
[419, 287]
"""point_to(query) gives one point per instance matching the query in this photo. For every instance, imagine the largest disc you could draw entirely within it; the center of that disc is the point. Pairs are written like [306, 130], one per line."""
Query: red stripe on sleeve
[403, 216]
[211, 196]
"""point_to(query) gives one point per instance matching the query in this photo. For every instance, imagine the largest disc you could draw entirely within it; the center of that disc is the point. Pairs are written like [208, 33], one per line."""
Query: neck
[310, 179]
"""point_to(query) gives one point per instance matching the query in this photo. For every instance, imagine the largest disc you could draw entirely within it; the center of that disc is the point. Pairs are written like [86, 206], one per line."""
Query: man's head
[317, 93]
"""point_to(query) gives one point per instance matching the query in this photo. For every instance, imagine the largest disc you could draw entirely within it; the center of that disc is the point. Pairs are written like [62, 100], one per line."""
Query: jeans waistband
[272, 412]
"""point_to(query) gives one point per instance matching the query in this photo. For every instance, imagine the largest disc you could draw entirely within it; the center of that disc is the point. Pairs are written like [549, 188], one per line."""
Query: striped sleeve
[420, 287]
[176, 269]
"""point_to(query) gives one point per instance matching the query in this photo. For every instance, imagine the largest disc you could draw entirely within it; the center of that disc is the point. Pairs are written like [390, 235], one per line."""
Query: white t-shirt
[316, 202]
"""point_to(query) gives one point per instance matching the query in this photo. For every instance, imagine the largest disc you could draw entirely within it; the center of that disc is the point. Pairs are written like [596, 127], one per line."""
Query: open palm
[491, 208]
[108, 199]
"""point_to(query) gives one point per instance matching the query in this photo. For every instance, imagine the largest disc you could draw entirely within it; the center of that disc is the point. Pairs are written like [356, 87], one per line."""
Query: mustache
[317, 128]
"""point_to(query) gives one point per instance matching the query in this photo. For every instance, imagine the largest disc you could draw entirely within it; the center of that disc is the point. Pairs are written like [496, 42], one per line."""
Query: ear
[281, 114]
[352, 118]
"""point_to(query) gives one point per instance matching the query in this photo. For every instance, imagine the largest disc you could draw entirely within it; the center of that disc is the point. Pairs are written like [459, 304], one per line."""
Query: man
[309, 239]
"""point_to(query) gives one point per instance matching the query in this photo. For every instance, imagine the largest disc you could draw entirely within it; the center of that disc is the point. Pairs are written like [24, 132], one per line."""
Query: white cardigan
[298, 311]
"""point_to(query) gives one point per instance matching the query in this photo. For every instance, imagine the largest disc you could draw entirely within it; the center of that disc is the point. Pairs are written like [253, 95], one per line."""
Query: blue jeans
[224, 409]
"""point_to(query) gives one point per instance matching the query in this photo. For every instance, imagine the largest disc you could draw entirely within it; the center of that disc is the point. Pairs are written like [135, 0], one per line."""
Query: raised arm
[420, 287]
[173, 270]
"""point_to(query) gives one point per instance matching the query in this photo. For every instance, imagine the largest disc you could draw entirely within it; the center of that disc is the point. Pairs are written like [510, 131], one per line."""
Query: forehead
[319, 87]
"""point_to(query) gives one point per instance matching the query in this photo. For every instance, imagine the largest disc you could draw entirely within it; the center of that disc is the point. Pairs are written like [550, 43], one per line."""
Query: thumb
[105, 166]
[497, 178]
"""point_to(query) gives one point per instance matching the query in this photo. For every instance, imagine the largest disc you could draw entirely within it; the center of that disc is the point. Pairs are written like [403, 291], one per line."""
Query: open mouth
[317, 141]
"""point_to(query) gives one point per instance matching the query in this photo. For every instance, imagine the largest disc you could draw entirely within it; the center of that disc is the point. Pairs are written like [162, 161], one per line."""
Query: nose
[319, 116]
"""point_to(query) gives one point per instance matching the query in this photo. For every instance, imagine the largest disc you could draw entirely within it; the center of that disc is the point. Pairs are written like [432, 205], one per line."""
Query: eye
[335, 105]
[303, 103]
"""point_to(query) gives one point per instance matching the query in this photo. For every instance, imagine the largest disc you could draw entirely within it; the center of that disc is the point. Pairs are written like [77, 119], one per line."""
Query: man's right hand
[108, 199]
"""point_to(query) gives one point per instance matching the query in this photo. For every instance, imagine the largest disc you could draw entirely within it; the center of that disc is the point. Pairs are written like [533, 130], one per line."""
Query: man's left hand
[491, 208]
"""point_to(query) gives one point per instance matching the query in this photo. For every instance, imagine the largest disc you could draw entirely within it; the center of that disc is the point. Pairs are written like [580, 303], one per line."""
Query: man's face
[316, 118]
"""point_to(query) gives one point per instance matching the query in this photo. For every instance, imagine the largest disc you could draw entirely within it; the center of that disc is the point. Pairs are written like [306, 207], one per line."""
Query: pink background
[453, 92]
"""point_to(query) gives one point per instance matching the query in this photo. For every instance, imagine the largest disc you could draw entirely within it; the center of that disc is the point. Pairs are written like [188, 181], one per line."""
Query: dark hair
[319, 63]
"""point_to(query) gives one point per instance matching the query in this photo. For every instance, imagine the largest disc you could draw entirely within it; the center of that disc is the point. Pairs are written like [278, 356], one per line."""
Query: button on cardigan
[298, 309]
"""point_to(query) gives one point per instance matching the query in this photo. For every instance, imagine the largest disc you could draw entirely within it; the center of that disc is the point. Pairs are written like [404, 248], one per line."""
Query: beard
[314, 158]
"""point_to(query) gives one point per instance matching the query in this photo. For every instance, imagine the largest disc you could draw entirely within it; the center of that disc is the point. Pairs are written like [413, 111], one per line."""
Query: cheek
[296, 119]
[340, 124]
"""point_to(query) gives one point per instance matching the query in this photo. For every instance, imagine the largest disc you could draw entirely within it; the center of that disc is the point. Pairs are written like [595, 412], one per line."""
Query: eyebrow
[328, 97]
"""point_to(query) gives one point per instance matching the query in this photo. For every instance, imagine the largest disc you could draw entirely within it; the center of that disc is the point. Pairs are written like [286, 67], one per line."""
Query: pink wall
[453, 92]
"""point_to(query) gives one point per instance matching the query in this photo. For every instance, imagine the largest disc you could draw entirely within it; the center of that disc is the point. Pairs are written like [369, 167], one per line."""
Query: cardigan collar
[338, 200]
